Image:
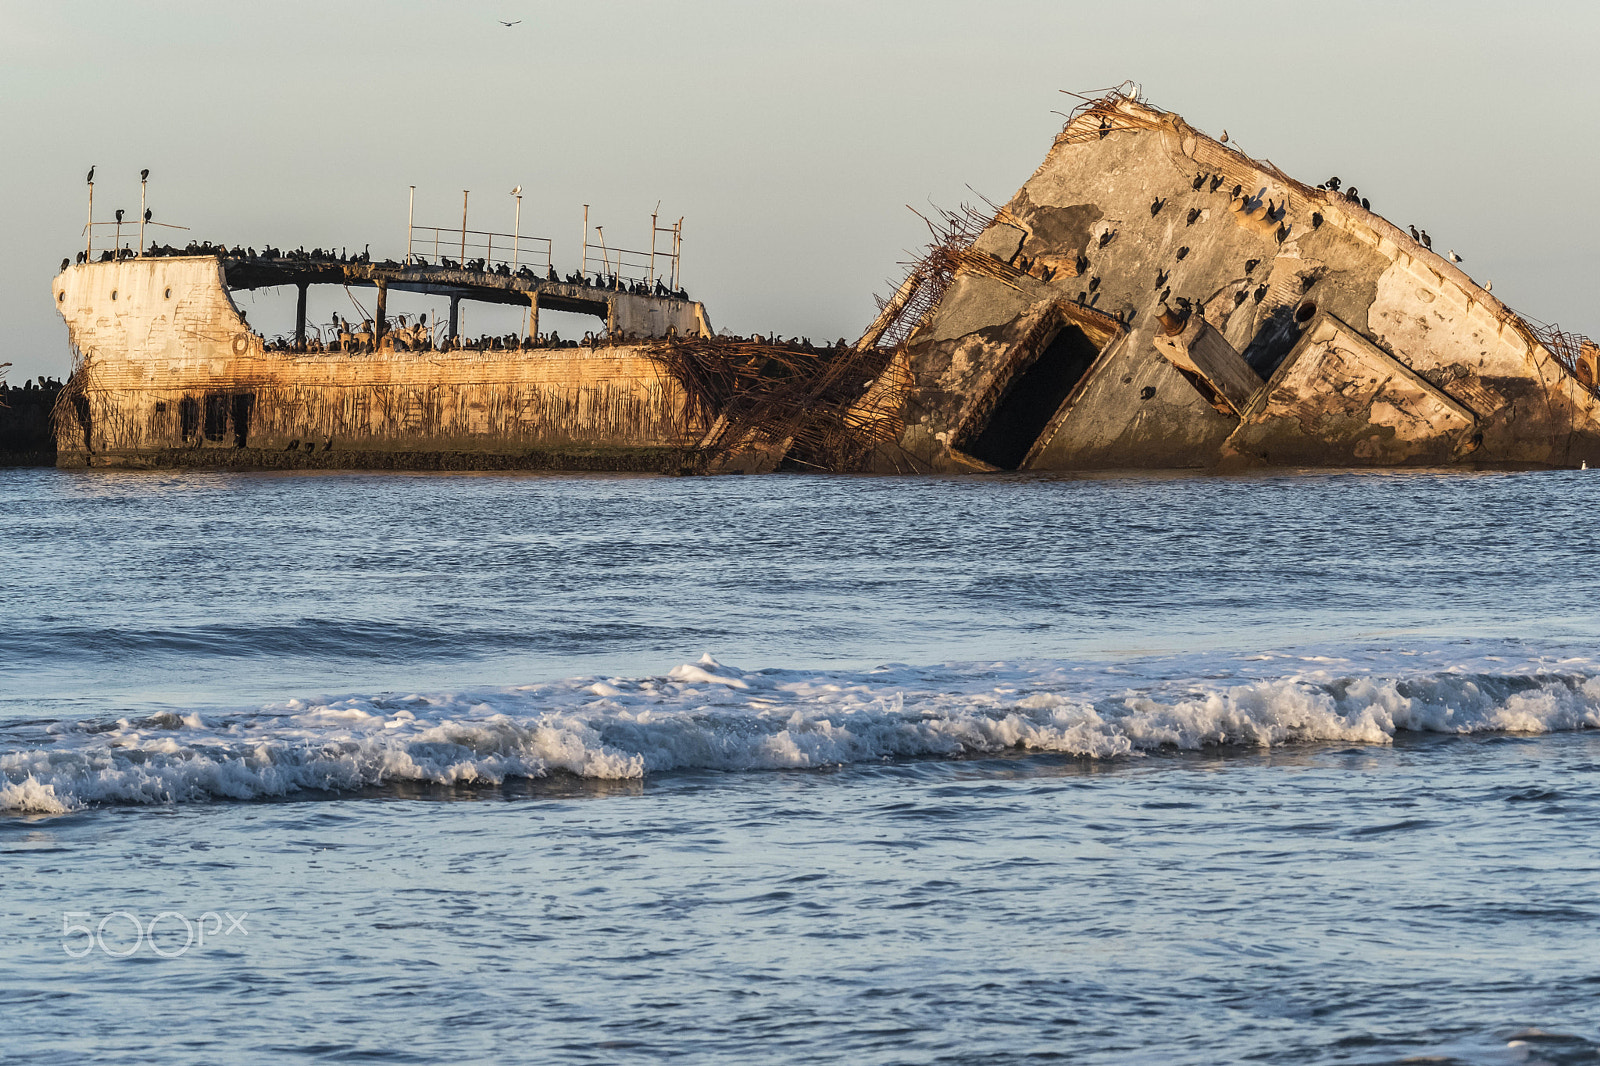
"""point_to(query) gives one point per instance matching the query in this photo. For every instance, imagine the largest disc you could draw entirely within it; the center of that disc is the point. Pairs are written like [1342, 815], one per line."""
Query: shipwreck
[1150, 298]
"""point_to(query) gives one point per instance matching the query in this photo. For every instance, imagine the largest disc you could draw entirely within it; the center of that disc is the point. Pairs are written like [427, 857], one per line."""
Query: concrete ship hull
[169, 374]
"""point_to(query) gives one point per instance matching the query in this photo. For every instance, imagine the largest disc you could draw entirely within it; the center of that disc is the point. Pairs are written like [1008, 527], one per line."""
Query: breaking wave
[707, 716]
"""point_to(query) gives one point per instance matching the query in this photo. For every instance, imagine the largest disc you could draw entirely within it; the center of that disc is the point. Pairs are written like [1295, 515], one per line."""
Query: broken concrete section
[1152, 297]
[1208, 362]
[1338, 398]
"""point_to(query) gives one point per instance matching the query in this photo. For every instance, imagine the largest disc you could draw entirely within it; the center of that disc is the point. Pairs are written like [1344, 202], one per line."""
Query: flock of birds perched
[1334, 184]
[608, 282]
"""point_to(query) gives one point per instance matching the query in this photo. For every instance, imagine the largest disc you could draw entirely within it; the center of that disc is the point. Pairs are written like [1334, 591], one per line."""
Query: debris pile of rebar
[953, 233]
[793, 398]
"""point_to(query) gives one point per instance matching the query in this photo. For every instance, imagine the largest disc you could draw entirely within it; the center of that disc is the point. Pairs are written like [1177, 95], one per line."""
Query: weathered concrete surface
[1134, 211]
[166, 365]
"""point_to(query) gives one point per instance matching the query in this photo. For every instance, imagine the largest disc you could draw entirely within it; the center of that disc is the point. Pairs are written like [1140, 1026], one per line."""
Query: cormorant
[1182, 252]
[1194, 213]
[144, 175]
[1414, 234]
[90, 178]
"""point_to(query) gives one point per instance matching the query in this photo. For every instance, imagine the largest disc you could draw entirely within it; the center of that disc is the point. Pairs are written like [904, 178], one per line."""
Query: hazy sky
[790, 136]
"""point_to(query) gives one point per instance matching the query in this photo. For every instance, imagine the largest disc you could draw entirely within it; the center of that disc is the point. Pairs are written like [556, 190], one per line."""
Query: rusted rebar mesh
[1577, 353]
[792, 397]
[953, 233]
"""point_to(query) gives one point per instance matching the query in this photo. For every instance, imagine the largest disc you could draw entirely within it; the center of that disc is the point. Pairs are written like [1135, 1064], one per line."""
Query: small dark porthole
[1304, 312]
[61, 298]
[113, 294]
[169, 294]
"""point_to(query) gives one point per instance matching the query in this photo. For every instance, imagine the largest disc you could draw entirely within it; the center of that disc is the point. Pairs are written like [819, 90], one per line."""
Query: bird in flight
[503, 22]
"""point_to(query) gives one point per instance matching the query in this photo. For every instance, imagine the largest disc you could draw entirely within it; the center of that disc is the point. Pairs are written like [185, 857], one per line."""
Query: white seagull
[1454, 258]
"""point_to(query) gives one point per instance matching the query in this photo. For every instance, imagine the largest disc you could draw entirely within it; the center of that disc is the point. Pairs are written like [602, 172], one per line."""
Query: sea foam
[708, 716]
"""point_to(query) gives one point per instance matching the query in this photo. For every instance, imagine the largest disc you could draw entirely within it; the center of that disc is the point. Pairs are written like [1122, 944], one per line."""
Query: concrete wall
[1115, 220]
[156, 337]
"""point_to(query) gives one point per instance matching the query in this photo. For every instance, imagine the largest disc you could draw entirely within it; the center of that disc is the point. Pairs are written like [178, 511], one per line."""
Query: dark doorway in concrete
[80, 407]
[189, 417]
[243, 404]
[217, 405]
[1032, 399]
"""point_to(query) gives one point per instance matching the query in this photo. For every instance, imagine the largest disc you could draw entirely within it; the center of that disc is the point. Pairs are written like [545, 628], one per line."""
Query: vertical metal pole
[411, 213]
[464, 228]
[583, 264]
[455, 315]
[533, 314]
[605, 256]
[516, 235]
[116, 245]
[653, 216]
[300, 319]
[677, 259]
[142, 185]
[88, 251]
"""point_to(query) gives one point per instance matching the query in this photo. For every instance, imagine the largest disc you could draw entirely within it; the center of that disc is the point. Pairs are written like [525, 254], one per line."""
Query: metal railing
[625, 264]
[470, 245]
[121, 237]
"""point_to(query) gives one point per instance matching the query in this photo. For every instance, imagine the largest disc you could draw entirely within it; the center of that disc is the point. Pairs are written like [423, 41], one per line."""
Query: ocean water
[330, 768]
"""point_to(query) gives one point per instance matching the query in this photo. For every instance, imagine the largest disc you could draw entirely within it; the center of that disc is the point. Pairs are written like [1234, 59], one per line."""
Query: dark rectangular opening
[243, 404]
[217, 404]
[1032, 399]
[189, 417]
